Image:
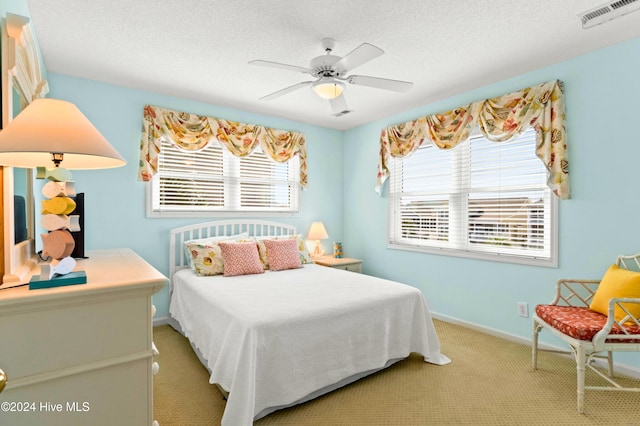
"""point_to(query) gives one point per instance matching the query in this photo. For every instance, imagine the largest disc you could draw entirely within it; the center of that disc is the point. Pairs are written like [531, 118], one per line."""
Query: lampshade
[317, 232]
[48, 126]
[328, 88]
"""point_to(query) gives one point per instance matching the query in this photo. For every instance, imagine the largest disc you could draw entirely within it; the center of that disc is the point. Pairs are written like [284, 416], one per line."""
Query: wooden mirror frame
[20, 70]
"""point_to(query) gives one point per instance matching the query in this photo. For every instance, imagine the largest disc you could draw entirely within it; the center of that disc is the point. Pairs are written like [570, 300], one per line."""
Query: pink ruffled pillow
[240, 258]
[283, 254]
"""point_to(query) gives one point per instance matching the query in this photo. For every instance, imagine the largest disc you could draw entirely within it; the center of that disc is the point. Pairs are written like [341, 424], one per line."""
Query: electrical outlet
[523, 309]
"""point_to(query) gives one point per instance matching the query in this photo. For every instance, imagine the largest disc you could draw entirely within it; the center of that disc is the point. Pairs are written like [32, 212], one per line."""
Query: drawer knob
[3, 380]
[155, 367]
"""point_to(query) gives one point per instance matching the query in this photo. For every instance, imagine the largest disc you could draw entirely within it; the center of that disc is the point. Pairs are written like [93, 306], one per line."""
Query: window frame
[480, 254]
[230, 190]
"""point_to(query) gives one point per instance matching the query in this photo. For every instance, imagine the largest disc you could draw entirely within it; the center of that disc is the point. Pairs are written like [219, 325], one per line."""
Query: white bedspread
[271, 339]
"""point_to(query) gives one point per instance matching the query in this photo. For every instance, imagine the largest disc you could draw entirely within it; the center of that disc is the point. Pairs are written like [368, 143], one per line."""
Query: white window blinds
[212, 180]
[480, 199]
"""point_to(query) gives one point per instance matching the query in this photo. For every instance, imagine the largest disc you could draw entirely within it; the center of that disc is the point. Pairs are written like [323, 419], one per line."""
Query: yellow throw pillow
[617, 282]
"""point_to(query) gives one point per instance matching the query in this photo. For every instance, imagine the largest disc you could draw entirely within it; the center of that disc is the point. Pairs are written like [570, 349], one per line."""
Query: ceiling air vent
[341, 113]
[607, 12]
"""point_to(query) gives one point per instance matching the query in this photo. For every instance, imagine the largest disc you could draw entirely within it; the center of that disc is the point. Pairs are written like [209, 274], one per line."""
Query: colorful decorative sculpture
[59, 189]
[51, 222]
[58, 205]
[57, 174]
[63, 267]
[58, 243]
[337, 250]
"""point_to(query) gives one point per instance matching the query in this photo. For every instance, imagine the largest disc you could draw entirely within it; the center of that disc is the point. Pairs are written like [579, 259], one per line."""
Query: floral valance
[193, 132]
[500, 119]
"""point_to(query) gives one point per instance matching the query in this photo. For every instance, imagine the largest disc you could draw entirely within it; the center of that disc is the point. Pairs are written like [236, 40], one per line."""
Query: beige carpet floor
[489, 382]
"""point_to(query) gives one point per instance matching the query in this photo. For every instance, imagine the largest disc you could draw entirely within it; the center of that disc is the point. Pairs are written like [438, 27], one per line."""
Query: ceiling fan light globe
[328, 89]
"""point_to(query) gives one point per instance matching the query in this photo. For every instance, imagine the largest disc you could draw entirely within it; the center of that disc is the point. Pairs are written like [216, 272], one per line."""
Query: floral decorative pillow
[206, 257]
[240, 258]
[283, 254]
[208, 241]
[305, 257]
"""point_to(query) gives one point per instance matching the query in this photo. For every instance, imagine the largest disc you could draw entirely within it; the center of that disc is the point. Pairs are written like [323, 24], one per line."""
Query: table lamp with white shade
[317, 232]
[49, 133]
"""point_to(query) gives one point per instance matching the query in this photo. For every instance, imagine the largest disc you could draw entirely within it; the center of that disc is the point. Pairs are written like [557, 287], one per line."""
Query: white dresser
[81, 354]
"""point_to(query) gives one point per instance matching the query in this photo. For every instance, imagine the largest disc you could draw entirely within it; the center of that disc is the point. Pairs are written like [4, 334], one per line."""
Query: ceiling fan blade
[380, 83]
[339, 106]
[285, 90]
[358, 56]
[280, 66]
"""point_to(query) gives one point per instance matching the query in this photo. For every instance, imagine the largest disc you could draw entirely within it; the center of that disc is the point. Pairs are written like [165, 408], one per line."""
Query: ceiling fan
[330, 73]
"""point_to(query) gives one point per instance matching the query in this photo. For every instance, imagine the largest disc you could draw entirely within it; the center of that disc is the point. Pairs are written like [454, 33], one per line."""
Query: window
[481, 199]
[193, 183]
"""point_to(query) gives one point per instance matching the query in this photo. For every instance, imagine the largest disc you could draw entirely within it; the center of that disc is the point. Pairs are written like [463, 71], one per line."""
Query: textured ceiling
[199, 49]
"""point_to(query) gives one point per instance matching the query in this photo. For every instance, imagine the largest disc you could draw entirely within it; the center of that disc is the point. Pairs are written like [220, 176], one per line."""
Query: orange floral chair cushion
[580, 322]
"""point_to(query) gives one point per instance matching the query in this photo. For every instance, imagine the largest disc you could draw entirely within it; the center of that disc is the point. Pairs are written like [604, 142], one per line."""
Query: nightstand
[346, 263]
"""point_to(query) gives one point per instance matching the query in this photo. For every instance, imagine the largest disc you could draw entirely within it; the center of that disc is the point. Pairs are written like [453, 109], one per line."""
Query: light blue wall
[17, 7]
[115, 200]
[599, 222]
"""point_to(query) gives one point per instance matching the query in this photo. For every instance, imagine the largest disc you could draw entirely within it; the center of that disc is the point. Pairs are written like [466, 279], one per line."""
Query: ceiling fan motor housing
[323, 66]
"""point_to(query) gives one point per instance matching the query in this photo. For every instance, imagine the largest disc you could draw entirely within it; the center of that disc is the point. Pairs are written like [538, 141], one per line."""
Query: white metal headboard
[256, 228]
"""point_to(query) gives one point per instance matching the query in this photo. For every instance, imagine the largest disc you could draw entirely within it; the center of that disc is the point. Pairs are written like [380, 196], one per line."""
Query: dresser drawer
[73, 332]
[115, 395]
[354, 267]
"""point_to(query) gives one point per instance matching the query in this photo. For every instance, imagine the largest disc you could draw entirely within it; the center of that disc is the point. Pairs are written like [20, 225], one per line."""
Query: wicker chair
[589, 334]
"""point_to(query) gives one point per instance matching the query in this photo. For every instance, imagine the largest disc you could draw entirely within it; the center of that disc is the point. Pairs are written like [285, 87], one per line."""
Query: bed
[275, 339]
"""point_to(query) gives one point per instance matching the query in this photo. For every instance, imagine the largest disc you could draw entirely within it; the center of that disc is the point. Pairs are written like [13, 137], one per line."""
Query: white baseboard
[160, 321]
[619, 368]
